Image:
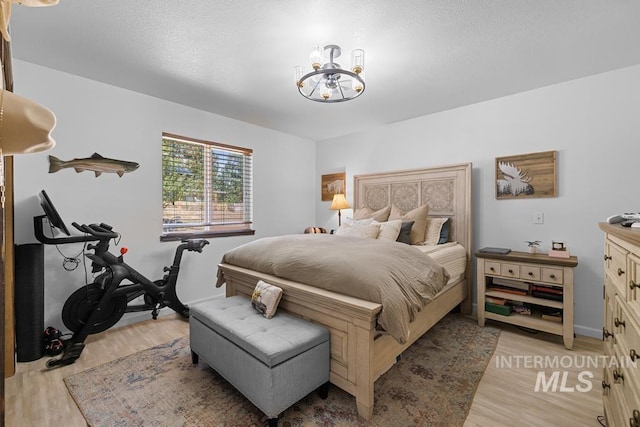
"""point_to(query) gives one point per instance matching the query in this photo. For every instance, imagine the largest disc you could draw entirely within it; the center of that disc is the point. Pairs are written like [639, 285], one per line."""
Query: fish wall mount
[96, 163]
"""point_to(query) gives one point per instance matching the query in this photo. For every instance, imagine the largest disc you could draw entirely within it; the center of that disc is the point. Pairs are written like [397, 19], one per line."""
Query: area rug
[432, 385]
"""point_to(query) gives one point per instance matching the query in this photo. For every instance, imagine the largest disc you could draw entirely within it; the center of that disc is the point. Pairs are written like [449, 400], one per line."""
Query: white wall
[117, 123]
[594, 125]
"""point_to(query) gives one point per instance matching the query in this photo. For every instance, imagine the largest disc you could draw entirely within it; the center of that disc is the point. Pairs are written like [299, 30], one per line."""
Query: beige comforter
[396, 275]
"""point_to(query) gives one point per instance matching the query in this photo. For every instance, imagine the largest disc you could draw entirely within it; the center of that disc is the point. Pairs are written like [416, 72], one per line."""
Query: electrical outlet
[538, 218]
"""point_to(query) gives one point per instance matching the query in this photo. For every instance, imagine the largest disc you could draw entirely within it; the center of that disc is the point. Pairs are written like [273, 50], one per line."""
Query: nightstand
[542, 283]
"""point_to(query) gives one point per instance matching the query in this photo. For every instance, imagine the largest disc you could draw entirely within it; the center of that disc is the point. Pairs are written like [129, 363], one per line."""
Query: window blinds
[206, 186]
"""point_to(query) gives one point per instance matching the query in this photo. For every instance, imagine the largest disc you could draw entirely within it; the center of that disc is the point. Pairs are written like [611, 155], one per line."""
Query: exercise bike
[98, 306]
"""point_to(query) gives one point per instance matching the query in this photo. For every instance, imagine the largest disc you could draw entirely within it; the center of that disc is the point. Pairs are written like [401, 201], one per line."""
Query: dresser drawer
[510, 270]
[615, 265]
[552, 275]
[633, 284]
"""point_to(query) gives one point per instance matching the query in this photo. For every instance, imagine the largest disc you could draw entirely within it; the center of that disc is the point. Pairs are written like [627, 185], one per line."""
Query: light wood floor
[36, 396]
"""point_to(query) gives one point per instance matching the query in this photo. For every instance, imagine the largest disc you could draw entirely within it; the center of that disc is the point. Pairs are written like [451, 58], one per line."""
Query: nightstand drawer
[510, 270]
[552, 275]
[529, 272]
[491, 267]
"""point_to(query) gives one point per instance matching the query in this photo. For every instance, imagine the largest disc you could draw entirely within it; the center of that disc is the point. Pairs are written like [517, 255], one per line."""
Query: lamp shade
[339, 202]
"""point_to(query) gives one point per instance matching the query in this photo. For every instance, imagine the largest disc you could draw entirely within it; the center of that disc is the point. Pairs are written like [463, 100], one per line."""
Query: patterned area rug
[432, 385]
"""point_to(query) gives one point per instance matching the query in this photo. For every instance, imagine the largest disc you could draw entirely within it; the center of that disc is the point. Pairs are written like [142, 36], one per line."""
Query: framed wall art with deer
[526, 176]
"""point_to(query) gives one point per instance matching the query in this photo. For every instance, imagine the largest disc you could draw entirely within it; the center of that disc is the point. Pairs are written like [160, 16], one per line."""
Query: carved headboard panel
[446, 189]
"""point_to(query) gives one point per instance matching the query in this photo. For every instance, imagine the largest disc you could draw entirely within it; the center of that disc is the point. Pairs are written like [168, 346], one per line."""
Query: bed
[359, 353]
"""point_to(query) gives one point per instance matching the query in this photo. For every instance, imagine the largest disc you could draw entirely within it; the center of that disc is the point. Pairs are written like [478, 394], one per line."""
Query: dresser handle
[635, 421]
[530, 273]
[607, 257]
[510, 271]
[633, 284]
[553, 276]
[633, 355]
[605, 385]
[617, 375]
[619, 323]
[492, 269]
[606, 334]
[620, 271]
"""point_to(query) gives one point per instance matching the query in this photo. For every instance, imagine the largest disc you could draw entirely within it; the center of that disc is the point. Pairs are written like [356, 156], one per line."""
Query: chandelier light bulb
[316, 57]
[357, 61]
[298, 74]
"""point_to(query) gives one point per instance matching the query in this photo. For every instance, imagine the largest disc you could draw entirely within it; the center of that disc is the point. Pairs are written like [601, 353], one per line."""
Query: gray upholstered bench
[273, 362]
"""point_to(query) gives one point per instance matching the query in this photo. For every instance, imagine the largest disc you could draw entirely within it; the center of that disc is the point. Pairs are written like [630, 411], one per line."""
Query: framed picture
[333, 183]
[526, 176]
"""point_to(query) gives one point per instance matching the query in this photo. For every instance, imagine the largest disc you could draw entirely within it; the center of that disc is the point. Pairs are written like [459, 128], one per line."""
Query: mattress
[452, 256]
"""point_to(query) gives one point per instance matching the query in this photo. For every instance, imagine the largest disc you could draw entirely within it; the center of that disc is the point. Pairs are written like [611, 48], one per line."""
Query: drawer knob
[492, 269]
[530, 273]
[510, 271]
[633, 284]
[635, 421]
[619, 323]
[607, 257]
[633, 355]
[605, 385]
[620, 271]
[553, 276]
[617, 375]
[606, 334]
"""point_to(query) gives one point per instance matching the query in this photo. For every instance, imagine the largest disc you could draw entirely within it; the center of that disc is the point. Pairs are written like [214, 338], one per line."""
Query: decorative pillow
[419, 216]
[265, 298]
[358, 222]
[444, 232]
[367, 231]
[380, 215]
[405, 233]
[389, 230]
[315, 230]
[434, 229]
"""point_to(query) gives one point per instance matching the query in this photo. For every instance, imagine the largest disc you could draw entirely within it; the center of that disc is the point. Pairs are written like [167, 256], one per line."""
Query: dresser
[621, 330]
[530, 270]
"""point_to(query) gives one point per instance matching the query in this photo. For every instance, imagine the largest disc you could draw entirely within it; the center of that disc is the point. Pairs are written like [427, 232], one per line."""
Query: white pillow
[389, 230]
[367, 231]
[358, 222]
[434, 226]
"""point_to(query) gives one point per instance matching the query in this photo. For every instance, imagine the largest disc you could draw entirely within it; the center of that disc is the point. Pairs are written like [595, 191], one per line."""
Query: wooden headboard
[446, 189]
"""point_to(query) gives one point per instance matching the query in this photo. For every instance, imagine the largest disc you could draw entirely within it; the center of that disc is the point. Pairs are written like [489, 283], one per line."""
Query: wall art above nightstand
[526, 176]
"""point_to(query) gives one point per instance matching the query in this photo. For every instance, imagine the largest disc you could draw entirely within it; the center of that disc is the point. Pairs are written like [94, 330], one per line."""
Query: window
[206, 189]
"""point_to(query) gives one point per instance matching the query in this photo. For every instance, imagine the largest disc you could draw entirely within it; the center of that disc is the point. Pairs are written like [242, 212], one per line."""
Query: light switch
[538, 218]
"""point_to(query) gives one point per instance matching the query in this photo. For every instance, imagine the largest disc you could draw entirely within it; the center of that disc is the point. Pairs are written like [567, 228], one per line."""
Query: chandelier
[330, 82]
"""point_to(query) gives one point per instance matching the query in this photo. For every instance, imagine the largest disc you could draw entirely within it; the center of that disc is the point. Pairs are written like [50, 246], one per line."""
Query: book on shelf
[547, 295]
[552, 317]
[504, 310]
[493, 287]
[522, 309]
[495, 300]
[511, 283]
[548, 289]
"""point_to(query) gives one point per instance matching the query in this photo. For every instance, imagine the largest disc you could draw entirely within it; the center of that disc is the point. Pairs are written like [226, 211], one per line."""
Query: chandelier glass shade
[329, 82]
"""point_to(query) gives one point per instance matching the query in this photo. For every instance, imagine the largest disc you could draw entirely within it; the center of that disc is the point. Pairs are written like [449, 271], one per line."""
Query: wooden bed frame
[360, 355]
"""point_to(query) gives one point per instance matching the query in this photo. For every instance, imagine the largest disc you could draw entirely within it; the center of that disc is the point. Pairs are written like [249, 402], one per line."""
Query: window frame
[167, 236]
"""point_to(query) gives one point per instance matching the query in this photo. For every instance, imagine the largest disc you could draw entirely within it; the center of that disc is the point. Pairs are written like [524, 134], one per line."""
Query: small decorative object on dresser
[559, 250]
[533, 245]
[621, 331]
[542, 283]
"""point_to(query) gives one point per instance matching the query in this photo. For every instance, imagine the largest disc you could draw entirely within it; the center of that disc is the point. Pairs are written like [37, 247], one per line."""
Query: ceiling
[236, 58]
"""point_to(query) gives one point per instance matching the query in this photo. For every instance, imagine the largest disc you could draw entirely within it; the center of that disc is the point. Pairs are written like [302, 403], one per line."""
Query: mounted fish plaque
[96, 163]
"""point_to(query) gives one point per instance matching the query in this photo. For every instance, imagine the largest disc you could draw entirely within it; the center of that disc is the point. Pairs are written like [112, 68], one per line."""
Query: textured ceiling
[235, 57]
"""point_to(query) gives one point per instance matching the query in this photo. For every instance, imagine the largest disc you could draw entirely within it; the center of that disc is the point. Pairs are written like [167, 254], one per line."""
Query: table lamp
[339, 202]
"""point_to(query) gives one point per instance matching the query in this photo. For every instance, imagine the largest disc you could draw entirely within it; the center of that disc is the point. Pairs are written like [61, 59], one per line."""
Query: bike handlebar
[102, 231]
